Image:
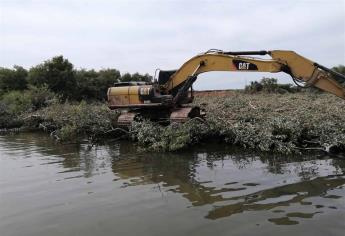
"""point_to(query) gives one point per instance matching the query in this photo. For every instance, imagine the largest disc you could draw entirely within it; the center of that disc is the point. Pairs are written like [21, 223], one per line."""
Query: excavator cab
[164, 76]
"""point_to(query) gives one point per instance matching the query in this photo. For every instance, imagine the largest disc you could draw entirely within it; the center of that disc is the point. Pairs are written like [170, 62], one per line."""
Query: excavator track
[181, 115]
[125, 119]
[177, 115]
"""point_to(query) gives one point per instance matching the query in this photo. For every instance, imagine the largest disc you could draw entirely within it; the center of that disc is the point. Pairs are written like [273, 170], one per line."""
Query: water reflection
[225, 182]
[310, 177]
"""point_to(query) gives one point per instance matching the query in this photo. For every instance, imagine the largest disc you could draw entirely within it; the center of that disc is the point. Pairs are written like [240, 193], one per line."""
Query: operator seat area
[164, 76]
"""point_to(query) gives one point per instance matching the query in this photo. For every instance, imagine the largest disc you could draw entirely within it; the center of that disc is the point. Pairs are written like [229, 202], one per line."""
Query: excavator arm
[299, 68]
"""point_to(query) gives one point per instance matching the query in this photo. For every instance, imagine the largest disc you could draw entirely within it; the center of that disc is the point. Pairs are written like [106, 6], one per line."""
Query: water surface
[116, 189]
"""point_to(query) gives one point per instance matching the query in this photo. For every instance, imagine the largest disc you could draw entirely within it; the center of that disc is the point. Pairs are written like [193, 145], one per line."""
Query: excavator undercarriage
[162, 116]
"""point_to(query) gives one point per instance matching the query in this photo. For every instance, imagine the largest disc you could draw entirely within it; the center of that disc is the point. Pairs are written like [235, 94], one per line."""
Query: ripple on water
[43, 183]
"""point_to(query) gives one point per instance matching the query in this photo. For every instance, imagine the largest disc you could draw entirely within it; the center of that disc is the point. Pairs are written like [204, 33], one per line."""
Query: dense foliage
[72, 122]
[60, 77]
[57, 74]
[13, 79]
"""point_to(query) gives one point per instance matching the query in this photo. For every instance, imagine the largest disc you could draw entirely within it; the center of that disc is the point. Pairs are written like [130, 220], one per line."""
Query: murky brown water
[50, 189]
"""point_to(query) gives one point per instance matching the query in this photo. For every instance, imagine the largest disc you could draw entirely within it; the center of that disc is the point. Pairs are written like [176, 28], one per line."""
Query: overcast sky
[140, 36]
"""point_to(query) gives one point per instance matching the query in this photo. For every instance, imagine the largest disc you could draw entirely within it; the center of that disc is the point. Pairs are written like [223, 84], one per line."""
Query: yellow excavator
[166, 99]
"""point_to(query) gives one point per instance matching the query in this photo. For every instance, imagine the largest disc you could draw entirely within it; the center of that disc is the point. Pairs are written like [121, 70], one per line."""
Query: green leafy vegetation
[13, 79]
[57, 74]
[72, 122]
[169, 138]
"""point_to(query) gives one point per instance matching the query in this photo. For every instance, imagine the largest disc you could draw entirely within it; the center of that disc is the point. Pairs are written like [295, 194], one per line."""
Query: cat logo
[144, 91]
[243, 65]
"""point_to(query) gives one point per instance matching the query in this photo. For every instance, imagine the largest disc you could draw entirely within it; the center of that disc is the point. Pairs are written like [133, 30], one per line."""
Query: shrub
[41, 96]
[269, 85]
[170, 138]
[7, 119]
[73, 121]
[17, 102]
[254, 87]
[12, 79]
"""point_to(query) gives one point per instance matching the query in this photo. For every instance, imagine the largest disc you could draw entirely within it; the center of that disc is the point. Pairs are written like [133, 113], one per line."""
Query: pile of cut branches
[280, 123]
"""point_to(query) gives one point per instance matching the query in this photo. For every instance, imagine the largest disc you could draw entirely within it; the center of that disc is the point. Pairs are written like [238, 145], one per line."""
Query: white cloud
[144, 35]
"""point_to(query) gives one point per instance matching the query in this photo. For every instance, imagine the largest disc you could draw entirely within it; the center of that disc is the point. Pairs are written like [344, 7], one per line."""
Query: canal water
[117, 189]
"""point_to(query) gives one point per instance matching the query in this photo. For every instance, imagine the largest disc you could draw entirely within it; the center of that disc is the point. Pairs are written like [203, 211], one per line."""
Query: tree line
[59, 76]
